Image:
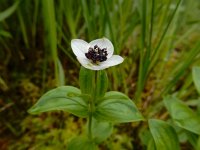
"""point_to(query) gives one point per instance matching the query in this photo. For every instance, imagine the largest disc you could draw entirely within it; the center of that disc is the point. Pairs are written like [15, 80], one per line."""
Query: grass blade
[9, 11]
[50, 25]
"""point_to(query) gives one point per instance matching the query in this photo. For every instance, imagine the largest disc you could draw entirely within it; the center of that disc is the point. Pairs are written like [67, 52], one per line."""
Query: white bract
[96, 55]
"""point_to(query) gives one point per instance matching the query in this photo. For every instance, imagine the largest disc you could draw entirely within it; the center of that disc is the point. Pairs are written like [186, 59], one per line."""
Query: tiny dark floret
[97, 54]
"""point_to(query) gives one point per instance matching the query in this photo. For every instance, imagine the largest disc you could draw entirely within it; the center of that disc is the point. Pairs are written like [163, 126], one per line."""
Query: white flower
[96, 55]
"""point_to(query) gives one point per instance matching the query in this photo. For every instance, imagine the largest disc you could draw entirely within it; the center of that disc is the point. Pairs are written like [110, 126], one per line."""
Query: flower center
[97, 54]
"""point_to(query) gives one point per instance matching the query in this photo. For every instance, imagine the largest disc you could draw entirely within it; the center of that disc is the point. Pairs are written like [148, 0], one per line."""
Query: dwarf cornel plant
[92, 101]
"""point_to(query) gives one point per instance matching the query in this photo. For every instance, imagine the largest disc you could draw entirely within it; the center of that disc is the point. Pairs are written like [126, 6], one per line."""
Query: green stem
[92, 107]
[90, 121]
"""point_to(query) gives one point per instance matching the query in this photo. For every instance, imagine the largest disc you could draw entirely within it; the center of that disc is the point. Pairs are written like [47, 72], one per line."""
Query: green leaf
[192, 138]
[66, 98]
[101, 84]
[60, 73]
[81, 143]
[117, 107]
[6, 13]
[151, 145]
[198, 144]
[145, 136]
[164, 135]
[93, 83]
[196, 77]
[101, 130]
[87, 81]
[5, 34]
[182, 115]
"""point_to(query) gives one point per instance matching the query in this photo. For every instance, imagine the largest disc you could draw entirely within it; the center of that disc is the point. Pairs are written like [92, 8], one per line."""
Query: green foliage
[86, 80]
[81, 143]
[101, 109]
[159, 41]
[117, 107]
[182, 115]
[9, 11]
[182, 65]
[164, 135]
[196, 77]
[101, 83]
[149, 54]
[95, 82]
[66, 98]
[50, 26]
[101, 130]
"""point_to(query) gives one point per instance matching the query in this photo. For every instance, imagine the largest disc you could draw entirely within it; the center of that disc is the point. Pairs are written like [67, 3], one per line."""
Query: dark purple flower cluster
[97, 54]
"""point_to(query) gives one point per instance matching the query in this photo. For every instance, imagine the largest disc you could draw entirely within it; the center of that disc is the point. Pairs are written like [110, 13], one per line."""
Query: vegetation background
[160, 41]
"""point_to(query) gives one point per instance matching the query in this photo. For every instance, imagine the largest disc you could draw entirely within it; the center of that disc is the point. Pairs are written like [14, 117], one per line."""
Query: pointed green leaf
[81, 143]
[182, 115]
[102, 83]
[117, 107]
[164, 135]
[66, 98]
[196, 77]
[60, 73]
[93, 82]
[101, 130]
[86, 80]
